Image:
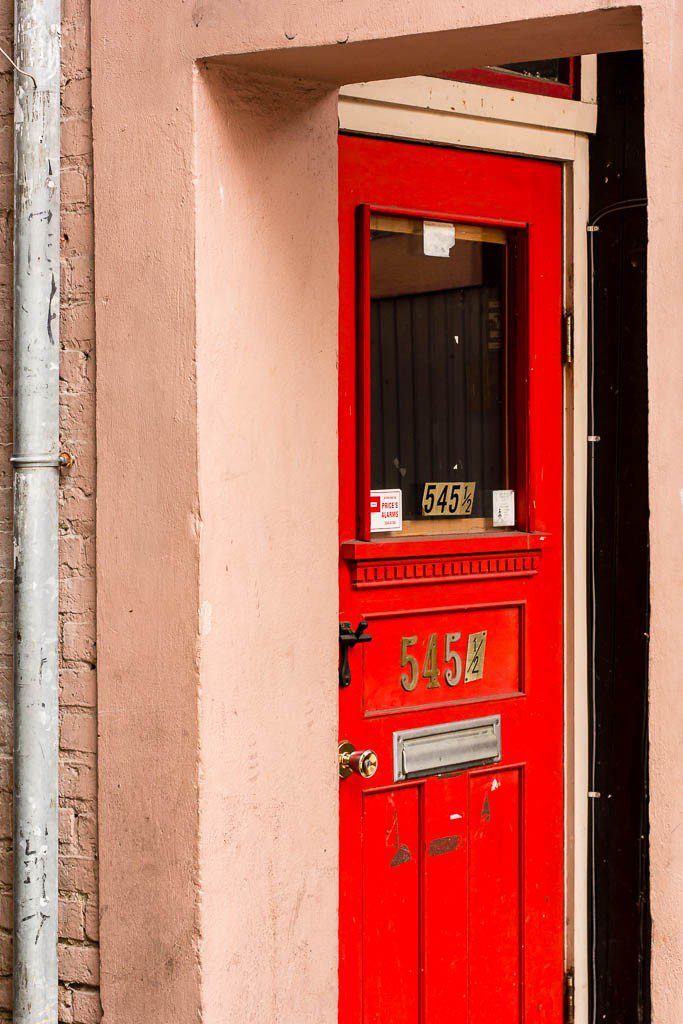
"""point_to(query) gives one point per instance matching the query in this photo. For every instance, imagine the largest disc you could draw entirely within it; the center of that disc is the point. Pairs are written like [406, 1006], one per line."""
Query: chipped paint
[205, 618]
[446, 844]
[402, 854]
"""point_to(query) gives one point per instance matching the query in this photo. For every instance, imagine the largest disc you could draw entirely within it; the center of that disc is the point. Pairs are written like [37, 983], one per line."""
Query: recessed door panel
[451, 584]
[446, 898]
[496, 899]
[438, 656]
[391, 861]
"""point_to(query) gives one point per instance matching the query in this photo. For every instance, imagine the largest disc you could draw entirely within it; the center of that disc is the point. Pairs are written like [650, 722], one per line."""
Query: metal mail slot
[439, 749]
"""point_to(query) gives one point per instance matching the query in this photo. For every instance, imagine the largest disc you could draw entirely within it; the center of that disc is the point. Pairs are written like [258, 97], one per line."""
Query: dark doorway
[619, 558]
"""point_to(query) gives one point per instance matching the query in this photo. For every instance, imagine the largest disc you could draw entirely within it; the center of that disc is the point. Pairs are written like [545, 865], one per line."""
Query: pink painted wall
[267, 415]
[663, 41]
[216, 379]
[148, 529]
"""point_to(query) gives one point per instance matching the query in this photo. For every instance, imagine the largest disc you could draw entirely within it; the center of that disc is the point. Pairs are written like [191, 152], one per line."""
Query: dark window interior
[545, 70]
[438, 368]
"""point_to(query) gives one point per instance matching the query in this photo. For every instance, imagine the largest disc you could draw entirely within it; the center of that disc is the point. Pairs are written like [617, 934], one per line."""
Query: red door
[450, 434]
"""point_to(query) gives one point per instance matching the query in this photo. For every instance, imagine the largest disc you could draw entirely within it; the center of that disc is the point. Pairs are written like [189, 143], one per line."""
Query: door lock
[348, 638]
[362, 762]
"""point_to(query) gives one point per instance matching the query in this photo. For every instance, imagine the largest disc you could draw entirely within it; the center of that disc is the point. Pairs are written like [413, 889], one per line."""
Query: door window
[440, 399]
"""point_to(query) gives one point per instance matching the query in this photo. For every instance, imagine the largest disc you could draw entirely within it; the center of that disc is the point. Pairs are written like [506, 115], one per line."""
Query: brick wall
[78, 912]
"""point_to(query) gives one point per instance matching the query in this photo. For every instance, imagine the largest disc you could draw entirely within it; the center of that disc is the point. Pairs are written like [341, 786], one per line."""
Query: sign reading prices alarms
[386, 510]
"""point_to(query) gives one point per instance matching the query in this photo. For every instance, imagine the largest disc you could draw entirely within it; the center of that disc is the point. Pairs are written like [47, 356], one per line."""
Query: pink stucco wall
[216, 303]
[663, 39]
[267, 416]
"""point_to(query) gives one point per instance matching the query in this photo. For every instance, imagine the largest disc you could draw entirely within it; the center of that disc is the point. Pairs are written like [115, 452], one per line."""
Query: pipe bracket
[64, 460]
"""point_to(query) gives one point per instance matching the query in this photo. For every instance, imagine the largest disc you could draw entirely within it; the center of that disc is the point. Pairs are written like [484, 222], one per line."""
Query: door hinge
[569, 996]
[567, 337]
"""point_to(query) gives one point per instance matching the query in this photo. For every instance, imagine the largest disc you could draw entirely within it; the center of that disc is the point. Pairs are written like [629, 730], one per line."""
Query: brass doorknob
[362, 762]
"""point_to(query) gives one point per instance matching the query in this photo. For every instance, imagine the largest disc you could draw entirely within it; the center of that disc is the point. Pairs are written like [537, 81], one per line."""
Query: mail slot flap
[439, 749]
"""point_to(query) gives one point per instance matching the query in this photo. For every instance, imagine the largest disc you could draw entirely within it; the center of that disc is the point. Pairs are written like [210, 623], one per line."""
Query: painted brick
[79, 273]
[77, 233]
[67, 826]
[86, 829]
[77, 323]
[65, 1005]
[6, 914]
[71, 919]
[87, 1008]
[77, 594]
[78, 874]
[76, 373]
[5, 816]
[78, 688]
[78, 643]
[76, 96]
[90, 559]
[71, 551]
[5, 773]
[5, 867]
[77, 779]
[75, 39]
[5, 993]
[81, 475]
[74, 187]
[76, 509]
[5, 953]
[76, 136]
[5, 729]
[92, 919]
[78, 964]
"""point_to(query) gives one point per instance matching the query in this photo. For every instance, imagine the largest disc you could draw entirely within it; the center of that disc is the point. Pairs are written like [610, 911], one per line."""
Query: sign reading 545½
[449, 666]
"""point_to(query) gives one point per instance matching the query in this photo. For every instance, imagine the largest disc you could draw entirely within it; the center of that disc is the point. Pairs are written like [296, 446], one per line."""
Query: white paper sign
[386, 510]
[503, 508]
[437, 238]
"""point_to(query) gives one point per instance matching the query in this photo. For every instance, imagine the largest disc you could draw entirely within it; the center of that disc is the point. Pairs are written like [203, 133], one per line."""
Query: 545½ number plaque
[448, 499]
[453, 662]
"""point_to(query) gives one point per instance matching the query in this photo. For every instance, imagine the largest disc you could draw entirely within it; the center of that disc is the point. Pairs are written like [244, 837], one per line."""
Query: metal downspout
[36, 522]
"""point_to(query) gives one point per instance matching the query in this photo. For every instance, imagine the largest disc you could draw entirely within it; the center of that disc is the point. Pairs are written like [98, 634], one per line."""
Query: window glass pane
[547, 70]
[439, 392]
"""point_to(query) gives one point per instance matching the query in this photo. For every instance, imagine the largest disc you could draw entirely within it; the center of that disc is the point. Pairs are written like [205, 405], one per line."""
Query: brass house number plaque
[450, 668]
[476, 649]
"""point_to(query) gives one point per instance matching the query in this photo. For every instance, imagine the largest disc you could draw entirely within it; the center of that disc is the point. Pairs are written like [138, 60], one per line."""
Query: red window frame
[501, 78]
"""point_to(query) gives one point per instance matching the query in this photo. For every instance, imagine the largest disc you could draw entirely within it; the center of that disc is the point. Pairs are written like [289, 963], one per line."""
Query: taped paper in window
[437, 238]
[503, 508]
[386, 510]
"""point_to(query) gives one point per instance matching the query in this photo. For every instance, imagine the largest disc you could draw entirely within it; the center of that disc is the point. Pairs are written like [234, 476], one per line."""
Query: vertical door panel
[390, 907]
[495, 897]
[445, 900]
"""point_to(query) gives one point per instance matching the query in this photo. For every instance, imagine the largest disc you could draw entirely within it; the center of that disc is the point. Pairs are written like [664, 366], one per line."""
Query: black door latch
[349, 637]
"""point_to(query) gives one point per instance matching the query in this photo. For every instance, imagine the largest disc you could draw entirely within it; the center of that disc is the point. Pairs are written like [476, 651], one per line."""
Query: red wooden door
[452, 860]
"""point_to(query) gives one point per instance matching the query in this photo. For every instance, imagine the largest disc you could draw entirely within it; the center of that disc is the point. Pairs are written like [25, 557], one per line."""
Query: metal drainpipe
[36, 522]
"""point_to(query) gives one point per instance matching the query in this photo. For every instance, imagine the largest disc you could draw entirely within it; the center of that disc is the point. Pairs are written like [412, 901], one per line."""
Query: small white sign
[437, 238]
[386, 510]
[503, 508]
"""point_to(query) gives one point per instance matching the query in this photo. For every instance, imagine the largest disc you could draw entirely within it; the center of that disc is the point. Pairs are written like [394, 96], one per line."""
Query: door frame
[420, 109]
